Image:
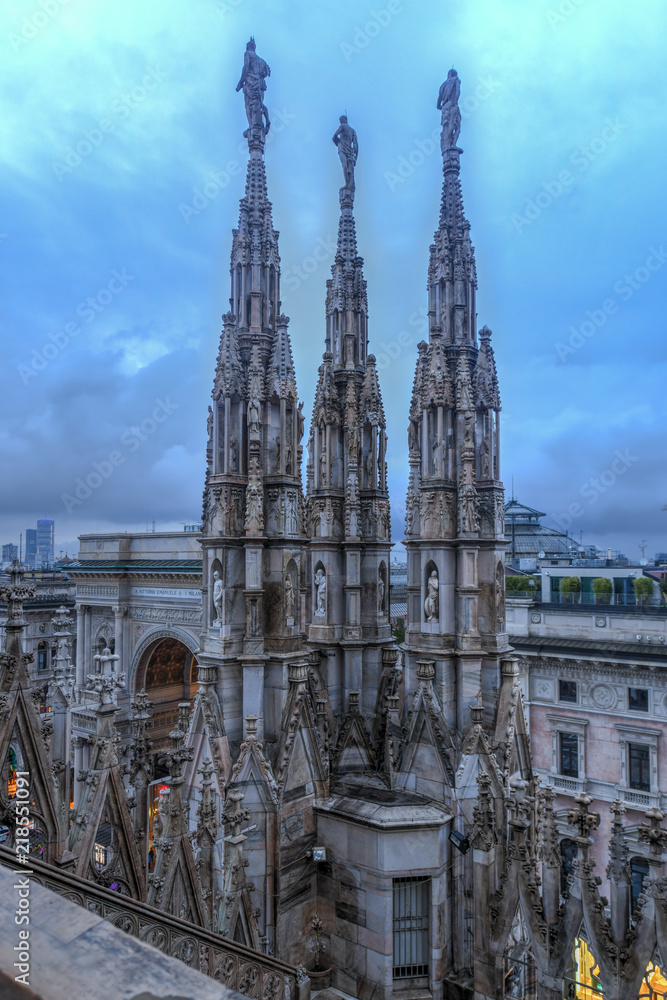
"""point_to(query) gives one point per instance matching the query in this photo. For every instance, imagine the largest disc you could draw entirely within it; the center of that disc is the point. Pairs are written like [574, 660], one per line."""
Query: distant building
[30, 547]
[45, 543]
[9, 552]
[531, 544]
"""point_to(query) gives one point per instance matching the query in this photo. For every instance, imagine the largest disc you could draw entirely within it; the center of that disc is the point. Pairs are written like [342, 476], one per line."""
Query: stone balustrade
[252, 973]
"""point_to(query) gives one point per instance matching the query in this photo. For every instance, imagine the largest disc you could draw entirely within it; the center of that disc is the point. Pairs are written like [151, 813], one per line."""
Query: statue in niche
[217, 597]
[468, 434]
[353, 445]
[486, 457]
[277, 452]
[370, 469]
[413, 437]
[448, 105]
[253, 417]
[432, 602]
[323, 468]
[345, 138]
[288, 460]
[233, 454]
[381, 589]
[321, 593]
[437, 458]
[253, 84]
[289, 598]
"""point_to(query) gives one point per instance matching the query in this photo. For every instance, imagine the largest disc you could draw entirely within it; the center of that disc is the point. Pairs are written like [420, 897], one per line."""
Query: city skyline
[143, 216]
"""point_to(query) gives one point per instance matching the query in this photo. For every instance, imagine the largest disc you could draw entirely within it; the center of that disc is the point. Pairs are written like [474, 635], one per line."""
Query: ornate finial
[345, 138]
[253, 84]
[652, 833]
[582, 819]
[448, 105]
[16, 593]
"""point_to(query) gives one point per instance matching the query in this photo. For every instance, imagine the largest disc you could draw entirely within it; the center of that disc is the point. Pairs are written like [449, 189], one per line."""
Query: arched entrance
[168, 673]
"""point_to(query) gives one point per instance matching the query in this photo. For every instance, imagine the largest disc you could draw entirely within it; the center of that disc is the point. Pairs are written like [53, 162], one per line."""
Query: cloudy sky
[115, 272]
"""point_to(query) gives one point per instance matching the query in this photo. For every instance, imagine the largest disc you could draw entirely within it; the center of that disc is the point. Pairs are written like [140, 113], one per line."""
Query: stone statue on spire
[253, 84]
[448, 105]
[345, 138]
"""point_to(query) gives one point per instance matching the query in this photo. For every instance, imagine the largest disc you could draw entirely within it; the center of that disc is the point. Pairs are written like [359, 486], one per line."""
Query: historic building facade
[264, 762]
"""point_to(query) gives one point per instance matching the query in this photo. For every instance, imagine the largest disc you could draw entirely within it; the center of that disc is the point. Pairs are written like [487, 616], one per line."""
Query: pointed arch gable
[22, 726]
[109, 799]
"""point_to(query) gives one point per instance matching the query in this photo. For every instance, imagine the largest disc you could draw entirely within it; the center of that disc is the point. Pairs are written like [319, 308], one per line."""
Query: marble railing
[252, 973]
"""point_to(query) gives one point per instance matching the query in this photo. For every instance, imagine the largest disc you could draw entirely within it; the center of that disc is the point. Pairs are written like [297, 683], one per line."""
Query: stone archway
[167, 671]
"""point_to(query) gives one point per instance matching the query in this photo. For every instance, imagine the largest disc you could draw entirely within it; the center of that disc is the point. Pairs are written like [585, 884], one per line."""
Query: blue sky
[114, 113]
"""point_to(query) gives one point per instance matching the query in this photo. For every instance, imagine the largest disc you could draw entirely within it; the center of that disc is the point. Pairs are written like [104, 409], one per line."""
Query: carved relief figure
[291, 525]
[253, 84]
[448, 104]
[217, 597]
[321, 593]
[432, 602]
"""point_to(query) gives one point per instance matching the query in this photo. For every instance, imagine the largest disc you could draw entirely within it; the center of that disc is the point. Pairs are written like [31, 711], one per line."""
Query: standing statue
[345, 138]
[300, 423]
[431, 604]
[209, 426]
[233, 454]
[448, 104]
[321, 590]
[380, 591]
[486, 457]
[253, 84]
[289, 598]
[217, 597]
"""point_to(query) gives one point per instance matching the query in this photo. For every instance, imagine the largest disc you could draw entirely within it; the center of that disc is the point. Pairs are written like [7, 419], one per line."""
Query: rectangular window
[567, 691]
[569, 755]
[640, 767]
[410, 927]
[638, 699]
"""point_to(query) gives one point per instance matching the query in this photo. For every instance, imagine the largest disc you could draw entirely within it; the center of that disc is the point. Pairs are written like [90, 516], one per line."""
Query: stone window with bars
[411, 927]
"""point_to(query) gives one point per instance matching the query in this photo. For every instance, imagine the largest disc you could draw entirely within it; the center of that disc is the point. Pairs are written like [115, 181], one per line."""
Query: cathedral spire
[452, 275]
[346, 302]
[454, 506]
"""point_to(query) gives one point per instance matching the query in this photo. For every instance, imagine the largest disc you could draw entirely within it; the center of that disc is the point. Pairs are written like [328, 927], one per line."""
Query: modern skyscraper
[45, 543]
[30, 547]
[9, 552]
